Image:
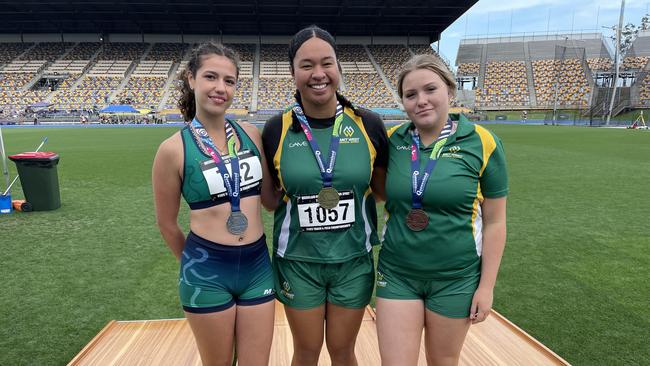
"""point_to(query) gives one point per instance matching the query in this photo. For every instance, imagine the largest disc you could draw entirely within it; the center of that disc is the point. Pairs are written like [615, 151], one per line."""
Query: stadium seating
[48, 51]
[10, 51]
[368, 90]
[600, 64]
[505, 85]
[470, 68]
[122, 51]
[243, 94]
[644, 91]
[275, 93]
[142, 91]
[635, 63]
[83, 51]
[68, 67]
[422, 49]
[153, 69]
[516, 74]
[24, 67]
[245, 51]
[12, 97]
[390, 58]
[174, 95]
[274, 53]
[92, 91]
[567, 76]
[173, 52]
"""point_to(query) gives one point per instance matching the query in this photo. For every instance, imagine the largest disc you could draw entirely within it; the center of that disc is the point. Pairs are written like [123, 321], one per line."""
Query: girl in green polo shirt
[446, 190]
[322, 153]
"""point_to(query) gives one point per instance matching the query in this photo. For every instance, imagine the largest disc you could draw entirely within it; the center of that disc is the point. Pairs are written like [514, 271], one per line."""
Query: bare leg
[307, 327]
[342, 327]
[444, 338]
[254, 333]
[214, 334]
[399, 330]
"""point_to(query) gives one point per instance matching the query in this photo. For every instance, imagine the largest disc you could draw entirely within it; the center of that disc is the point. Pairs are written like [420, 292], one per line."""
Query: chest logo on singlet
[348, 132]
[453, 153]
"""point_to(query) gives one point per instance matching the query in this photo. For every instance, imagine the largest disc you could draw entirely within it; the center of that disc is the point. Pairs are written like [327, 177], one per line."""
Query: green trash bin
[39, 178]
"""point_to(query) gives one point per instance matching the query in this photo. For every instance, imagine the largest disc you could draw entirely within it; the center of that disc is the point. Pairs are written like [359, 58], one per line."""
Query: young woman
[322, 153]
[446, 189]
[217, 165]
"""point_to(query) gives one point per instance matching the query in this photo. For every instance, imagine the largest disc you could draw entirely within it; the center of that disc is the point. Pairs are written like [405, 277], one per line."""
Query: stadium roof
[232, 17]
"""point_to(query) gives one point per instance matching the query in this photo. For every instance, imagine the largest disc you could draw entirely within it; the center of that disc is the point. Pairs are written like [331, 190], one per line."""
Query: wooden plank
[170, 342]
[93, 343]
[151, 342]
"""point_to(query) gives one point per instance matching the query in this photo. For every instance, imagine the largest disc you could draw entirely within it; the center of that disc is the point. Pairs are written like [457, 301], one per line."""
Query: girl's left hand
[481, 305]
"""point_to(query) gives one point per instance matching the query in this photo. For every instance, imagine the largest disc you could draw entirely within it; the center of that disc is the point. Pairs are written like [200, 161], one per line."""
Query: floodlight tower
[617, 62]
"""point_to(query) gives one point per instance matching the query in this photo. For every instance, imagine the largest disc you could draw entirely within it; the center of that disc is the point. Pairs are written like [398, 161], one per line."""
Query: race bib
[313, 217]
[250, 170]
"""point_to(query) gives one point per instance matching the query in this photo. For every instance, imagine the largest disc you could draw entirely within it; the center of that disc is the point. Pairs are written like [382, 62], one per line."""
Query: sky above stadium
[500, 18]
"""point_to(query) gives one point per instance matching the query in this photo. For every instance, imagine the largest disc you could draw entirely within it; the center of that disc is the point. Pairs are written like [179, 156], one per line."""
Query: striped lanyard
[420, 183]
[230, 180]
[326, 169]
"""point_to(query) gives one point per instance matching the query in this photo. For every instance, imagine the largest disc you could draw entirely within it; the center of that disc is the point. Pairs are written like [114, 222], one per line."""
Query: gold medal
[328, 197]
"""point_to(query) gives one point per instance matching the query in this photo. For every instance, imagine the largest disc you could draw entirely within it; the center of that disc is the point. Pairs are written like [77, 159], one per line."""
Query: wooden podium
[496, 341]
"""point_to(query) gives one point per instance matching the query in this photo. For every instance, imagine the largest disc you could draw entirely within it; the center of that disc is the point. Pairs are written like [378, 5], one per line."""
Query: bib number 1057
[313, 217]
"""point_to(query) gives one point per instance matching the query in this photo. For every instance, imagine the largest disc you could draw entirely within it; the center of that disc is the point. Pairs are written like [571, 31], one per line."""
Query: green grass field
[574, 274]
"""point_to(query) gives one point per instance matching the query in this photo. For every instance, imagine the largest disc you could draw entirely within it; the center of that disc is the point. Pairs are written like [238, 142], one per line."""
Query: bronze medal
[328, 198]
[417, 219]
[237, 223]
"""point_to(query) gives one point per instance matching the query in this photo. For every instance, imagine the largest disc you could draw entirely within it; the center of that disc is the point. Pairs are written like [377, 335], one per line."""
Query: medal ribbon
[326, 169]
[230, 182]
[420, 183]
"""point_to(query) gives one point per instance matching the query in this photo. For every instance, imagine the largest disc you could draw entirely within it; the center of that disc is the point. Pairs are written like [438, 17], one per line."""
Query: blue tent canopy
[119, 108]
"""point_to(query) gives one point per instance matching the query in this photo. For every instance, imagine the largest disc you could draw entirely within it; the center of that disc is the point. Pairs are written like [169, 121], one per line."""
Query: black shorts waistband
[261, 242]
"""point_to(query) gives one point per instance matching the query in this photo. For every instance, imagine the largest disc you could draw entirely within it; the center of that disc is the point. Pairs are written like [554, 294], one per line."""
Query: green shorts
[306, 285]
[448, 297]
[214, 277]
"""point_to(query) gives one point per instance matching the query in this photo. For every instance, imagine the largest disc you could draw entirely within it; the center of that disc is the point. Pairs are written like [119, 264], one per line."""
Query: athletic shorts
[448, 297]
[306, 285]
[213, 277]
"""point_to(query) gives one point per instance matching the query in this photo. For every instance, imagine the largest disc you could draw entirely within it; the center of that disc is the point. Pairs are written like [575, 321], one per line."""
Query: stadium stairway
[169, 85]
[482, 68]
[496, 341]
[383, 76]
[127, 75]
[256, 79]
[532, 96]
[173, 75]
[35, 79]
[123, 83]
[80, 78]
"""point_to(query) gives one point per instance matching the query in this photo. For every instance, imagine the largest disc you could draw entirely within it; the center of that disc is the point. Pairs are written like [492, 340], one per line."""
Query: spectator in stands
[324, 217]
[445, 235]
[226, 283]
